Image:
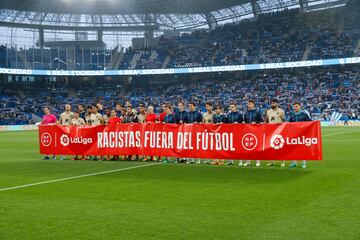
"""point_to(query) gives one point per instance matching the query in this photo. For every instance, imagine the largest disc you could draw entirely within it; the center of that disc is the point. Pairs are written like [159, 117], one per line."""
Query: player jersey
[275, 115]
[115, 120]
[77, 121]
[141, 117]
[181, 116]
[220, 118]
[301, 116]
[151, 117]
[49, 119]
[208, 117]
[65, 118]
[194, 117]
[82, 115]
[95, 119]
[170, 118]
[88, 119]
[233, 117]
[162, 116]
[252, 115]
[106, 119]
[130, 118]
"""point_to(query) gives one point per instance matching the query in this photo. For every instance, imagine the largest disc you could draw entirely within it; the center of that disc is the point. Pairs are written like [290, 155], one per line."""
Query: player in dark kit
[252, 116]
[234, 117]
[299, 116]
[130, 116]
[81, 110]
[194, 116]
[219, 117]
[181, 117]
[118, 108]
[181, 114]
[170, 116]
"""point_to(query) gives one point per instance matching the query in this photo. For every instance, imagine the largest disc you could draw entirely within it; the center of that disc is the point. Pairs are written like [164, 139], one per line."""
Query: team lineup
[94, 115]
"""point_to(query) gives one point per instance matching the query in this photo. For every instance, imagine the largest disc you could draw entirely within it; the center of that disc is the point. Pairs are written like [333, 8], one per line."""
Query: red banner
[287, 141]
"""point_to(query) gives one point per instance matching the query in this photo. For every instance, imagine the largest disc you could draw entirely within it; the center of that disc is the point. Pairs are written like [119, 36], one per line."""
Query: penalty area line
[76, 177]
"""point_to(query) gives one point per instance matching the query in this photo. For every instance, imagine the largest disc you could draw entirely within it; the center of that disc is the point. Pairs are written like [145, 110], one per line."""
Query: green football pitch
[179, 201]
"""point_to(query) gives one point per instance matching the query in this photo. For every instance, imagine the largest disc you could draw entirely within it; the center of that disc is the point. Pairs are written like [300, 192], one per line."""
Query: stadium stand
[321, 91]
[273, 37]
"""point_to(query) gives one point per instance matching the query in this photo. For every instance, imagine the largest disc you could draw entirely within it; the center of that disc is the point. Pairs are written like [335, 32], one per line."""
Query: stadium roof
[138, 14]
[119, 6]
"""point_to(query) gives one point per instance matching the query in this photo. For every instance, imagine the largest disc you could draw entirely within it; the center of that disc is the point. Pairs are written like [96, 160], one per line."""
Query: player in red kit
[151, 116]
[114, 119]
[163, 113]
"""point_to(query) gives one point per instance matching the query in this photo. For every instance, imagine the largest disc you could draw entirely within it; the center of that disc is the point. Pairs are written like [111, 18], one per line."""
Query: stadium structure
[125, 45]
[80, 28]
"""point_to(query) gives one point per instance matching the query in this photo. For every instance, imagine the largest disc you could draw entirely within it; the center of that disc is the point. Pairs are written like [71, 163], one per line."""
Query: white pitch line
[76, 177]
[345, 140]
[340, 133]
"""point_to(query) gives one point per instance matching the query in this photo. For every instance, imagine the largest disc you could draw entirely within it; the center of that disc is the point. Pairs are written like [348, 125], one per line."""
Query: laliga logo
[277, 141]
[65, 140]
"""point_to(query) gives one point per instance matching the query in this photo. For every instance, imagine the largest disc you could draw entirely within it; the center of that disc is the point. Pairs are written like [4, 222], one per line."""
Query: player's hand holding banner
[287, 141]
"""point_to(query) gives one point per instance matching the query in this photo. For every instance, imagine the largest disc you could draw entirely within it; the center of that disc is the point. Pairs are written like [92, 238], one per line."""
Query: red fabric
[151, 117]
[162, 116]
[286, 141]
[115, 120]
